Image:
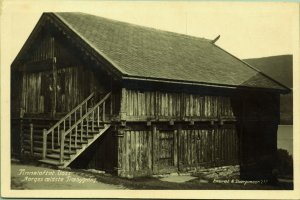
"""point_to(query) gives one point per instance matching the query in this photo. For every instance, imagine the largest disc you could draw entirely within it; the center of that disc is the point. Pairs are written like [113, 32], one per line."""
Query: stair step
[84, 137]
[65, 151]
[36, 149]
[35, 154]
[27, 125]
[40, 143]
[73, 147]
[78, 141]
[37, 142]
[35, 131]
[57, 156]
[35, 137]
[90, 131]
[51, 162]
[38, 137]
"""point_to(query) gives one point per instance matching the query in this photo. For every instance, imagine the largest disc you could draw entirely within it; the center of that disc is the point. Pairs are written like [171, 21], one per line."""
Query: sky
[247, 30]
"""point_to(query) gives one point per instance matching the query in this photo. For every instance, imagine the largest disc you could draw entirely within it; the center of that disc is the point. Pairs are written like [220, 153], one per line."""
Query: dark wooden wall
[135, 153]
[258, 124]
[162, 148]
[54, 79]
[208, 147]
[152, 143]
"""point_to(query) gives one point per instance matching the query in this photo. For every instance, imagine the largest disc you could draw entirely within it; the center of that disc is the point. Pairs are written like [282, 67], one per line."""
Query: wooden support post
[171, 122]
[21, 137]
[175, 150]
[148, 123]
[98, 116]
[221, 122]
[93, 124]
[103, 110]
[120, 135]
[31, 139]
[62, 146]
[52, 139]
[155, 140]
[58, 134]
[44, 143]
[54, 84]
[87, 126]
[70, 123]
[179, 161]
[212, 122]
[111, 105]
[70, 139]
[76, 136]
[123, 123]
[81, 131]
[192, 122]
[123, 108]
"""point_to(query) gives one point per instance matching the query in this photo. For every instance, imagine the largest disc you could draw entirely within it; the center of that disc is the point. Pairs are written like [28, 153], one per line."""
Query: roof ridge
[144, 27]
[272, 56]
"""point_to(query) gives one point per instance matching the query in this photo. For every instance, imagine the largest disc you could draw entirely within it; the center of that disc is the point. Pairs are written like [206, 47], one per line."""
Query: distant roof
[278, 67]
[142, 52]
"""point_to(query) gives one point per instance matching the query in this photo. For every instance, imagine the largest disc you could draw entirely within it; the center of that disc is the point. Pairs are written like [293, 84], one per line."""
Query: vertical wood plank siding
[151, 104]
[74, 81]
[147, 152]
[71, 90]
[44, 49]
[208, 147]
[136, 153]
[174, 149]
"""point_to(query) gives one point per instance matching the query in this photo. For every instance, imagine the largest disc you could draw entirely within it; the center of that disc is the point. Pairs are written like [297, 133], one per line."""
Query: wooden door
[165, 160]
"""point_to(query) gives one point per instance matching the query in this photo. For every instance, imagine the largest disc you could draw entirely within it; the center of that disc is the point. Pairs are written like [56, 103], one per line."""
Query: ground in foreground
[34, 176]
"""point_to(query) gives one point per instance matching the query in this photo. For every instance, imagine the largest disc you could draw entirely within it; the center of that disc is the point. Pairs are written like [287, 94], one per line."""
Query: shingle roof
[138, 51]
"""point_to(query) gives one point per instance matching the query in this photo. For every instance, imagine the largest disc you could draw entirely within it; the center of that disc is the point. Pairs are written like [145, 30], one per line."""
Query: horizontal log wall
[149, 104]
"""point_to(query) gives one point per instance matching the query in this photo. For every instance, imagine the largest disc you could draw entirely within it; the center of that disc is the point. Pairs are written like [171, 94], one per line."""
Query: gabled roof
[138, 52]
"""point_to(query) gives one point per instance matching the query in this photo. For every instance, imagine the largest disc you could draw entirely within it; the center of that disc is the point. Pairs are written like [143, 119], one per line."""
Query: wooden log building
[91, 92]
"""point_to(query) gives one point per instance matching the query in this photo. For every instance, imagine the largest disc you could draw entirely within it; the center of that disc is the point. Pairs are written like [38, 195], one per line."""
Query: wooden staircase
[70, 136]
[71, 152]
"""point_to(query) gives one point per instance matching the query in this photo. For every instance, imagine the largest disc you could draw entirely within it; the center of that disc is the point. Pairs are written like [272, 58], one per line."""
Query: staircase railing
[81, 127]
[63, 122]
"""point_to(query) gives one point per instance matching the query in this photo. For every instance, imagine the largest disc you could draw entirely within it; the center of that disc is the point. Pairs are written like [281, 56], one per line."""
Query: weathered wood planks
[150, 104]
[208, 147]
